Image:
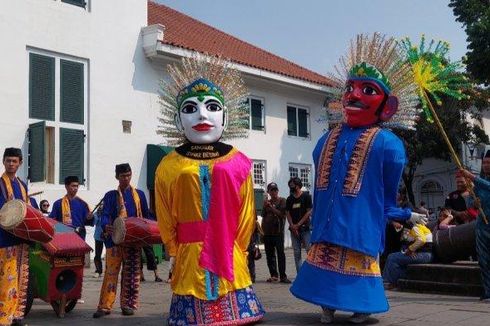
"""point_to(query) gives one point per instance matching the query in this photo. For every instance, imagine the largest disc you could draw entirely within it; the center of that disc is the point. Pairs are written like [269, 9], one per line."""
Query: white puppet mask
[202, 119]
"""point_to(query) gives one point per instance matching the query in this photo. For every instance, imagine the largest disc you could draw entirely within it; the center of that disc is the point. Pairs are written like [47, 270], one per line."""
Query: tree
[475, 16]
[426, 141]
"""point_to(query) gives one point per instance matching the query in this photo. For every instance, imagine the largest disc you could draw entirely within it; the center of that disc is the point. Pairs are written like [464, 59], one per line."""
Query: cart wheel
[71, 305]
[29, 295]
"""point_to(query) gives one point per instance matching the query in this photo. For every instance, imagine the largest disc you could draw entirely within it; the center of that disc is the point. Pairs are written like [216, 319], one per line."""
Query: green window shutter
[256, 108]
[37, 158]
[41, 87]
[72, 156]
[292, 128]
[71, 91]
[79, 3]
[303, 123]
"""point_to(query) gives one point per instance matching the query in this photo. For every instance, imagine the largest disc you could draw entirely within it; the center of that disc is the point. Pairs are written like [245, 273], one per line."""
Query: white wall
[107, 36]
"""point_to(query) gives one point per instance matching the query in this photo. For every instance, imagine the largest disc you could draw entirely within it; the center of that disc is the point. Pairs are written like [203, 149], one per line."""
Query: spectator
[99, 240]
[253, 251]
[151, 264]
[419, 251]
[393, 229]
[44, 206]
[273, 221]
[456, 201]
[298, 210]
[445, 219]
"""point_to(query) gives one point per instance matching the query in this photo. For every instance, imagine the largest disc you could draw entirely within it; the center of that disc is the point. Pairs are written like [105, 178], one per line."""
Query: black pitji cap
[122, 168]
[71, 178]
[12, 152]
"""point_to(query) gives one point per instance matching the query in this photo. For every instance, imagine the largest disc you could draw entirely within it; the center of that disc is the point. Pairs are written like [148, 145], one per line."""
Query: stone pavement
[282, 308]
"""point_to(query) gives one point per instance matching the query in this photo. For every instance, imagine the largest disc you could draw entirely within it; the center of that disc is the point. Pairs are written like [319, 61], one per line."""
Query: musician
[125, 201]
[72, 210]
[14, 254]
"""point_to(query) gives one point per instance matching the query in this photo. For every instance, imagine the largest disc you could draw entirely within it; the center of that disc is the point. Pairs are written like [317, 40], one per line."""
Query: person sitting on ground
[419, 251]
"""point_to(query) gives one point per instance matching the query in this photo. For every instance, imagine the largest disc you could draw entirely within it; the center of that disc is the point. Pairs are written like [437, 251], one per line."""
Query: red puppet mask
[367, 98]
[366, 103]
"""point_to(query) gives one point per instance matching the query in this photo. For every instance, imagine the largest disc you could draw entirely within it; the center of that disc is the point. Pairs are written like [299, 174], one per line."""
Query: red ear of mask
[390, 108]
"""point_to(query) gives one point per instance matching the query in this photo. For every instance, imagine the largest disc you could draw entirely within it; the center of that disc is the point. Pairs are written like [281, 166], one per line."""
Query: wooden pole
[451, 149]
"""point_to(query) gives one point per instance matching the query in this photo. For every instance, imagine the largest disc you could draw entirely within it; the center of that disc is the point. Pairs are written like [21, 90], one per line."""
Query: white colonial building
[79, 93]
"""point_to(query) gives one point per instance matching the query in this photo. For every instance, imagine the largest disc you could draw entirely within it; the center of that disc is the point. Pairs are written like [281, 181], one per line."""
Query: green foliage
[427, 141]
[475, 16]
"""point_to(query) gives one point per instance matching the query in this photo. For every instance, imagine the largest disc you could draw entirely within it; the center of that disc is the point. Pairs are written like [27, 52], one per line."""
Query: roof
[186, 32]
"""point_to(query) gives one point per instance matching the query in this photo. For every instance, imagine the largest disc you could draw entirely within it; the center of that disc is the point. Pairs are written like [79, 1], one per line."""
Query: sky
[315, 33]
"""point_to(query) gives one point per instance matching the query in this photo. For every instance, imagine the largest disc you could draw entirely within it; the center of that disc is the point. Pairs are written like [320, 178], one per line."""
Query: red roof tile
[188, 33]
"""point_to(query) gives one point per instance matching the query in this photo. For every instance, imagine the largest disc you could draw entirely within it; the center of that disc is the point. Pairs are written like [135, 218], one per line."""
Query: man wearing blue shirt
[125, 201]
[71, 210]
[14, 253]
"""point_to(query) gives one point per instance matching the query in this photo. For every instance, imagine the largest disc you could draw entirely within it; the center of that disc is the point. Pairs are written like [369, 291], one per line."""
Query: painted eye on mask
[349, 88]
[213, 106]
[368, 90]
[189, 108]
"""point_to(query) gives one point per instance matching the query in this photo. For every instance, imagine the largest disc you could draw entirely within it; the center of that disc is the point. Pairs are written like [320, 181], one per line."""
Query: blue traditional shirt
[111, 212]
[98, 227]
[78, 209]
[482, 191]
[7, 239]
[358, 171]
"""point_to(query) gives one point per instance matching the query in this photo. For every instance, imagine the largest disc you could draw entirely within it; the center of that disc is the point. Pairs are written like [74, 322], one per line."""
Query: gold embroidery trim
[358, 162]
[342, 260]
[326, 157]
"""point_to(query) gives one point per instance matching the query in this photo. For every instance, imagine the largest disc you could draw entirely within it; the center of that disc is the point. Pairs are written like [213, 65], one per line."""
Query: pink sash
[224, 210]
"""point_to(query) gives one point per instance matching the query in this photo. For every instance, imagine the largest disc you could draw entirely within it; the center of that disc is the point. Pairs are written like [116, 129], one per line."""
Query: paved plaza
[282, 308]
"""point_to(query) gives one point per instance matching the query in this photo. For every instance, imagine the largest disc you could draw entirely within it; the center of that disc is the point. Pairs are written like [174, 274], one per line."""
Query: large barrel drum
[26, 222]
[133, 231]
[455, 243]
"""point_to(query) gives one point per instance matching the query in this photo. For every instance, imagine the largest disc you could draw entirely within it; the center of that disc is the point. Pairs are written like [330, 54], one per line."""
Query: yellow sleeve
[166, 222]
[420, 238]
[246, 222]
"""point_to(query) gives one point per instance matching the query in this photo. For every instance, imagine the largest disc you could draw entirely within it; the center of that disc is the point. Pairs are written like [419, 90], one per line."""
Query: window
[257, 113]
[298, 123]
[58, 115]
[79, 3]
[432, 193]
[259, 173]
[303, 171]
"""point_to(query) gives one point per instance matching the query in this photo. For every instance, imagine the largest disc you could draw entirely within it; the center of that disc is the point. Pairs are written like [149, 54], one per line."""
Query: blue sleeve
[34, 202]
[86, 214]
[481, 184]
[56, 211]
[110, 209]
[144, 205]
[393, 165]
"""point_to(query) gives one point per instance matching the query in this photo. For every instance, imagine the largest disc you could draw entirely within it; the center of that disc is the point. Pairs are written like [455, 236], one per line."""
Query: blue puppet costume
[358, 169]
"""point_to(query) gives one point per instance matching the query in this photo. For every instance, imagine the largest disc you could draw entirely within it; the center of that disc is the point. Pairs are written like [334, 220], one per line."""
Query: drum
[133, 231]
[455, 243]
[26, 222]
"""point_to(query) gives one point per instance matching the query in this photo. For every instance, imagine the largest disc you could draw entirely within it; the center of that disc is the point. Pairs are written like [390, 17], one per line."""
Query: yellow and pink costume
[205, 210]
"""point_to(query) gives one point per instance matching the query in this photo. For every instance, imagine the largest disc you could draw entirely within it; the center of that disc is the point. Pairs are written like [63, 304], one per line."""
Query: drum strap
[8, 191]
[66, 211]
[122, 208]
